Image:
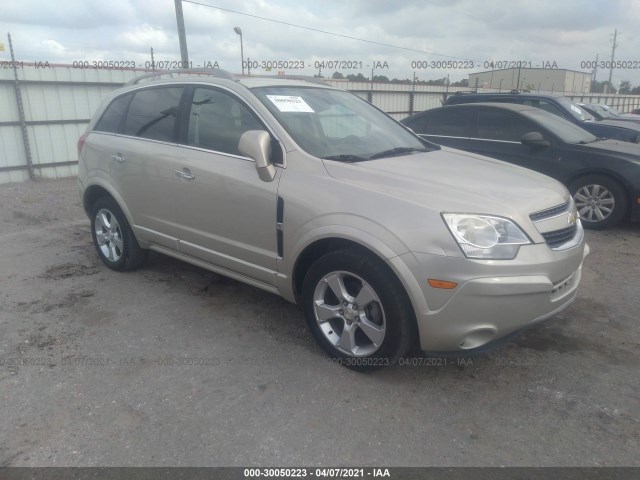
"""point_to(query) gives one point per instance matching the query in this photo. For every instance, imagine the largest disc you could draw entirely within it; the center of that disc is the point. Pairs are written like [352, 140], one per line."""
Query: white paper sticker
[289, 103]
[576, 109]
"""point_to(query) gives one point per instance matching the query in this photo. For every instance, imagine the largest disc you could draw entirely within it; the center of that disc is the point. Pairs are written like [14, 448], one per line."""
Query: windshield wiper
[394, 152]
[582, 142]
[346, 158]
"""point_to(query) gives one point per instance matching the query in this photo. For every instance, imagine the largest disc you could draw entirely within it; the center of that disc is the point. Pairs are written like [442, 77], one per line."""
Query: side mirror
[256, 144]
[534, 139]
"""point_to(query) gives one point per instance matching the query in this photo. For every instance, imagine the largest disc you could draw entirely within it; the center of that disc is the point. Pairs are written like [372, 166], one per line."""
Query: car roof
[516, 107]
[279, 81]
[505, 94]
[222, 77]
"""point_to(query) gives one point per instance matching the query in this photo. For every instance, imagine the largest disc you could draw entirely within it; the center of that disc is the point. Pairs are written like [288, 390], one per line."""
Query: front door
[497, 134]
[225, 214]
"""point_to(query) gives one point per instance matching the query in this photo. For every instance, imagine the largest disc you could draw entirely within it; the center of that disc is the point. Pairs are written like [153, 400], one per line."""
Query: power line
[325, 32]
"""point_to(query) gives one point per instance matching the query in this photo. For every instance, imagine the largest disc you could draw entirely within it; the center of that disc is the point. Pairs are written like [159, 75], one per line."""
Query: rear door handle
[117, 157]
[185, 173]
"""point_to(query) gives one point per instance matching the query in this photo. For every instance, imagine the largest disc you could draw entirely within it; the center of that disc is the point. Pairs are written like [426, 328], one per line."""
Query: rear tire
[601, 201]
[113, 238]
[358, 310]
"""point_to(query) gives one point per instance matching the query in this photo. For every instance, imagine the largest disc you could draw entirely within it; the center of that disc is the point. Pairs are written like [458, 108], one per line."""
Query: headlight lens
[485, 236]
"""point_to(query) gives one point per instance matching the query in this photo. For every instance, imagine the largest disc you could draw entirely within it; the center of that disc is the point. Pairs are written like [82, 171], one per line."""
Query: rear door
[138, 158]
[497, 133]
[226, 215]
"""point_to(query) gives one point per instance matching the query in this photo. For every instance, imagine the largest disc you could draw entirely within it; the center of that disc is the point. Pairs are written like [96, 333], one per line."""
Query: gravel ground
[172, 365]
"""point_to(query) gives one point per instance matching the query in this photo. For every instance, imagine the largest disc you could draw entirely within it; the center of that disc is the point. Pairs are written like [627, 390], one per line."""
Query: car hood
[453, 180]
[619, 124]
[628, 150]
[623, 118]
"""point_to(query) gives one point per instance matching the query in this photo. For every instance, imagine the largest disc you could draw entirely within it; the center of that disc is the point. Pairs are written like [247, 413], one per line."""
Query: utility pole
[153, 63]
[184, 56]
[594, 72]
[613, 53]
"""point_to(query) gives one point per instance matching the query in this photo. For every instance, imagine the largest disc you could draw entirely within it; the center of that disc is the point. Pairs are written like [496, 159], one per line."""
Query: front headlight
[485, 236]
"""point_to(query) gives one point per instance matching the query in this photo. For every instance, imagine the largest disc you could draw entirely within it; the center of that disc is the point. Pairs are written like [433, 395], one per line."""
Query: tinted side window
[501, 125]
[111, 119]
[447, 123]
[152, 113]
[217, 120]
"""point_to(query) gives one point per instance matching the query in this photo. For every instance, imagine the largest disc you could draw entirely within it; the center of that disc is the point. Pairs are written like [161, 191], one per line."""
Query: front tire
[600, 200]
[357, 310]
[113, 237]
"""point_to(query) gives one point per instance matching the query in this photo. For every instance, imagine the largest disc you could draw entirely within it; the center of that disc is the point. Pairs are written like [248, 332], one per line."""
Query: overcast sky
[566, 32]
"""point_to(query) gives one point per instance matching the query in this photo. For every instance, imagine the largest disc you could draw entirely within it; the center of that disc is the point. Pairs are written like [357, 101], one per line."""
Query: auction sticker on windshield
[290, 103]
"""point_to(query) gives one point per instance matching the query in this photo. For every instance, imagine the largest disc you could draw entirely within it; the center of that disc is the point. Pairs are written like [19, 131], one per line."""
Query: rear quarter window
[152, 113]
[111, 119]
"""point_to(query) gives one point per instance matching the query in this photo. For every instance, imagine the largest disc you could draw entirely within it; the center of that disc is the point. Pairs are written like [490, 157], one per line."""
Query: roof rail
[211, 72]
[306, 78]
[520, 91]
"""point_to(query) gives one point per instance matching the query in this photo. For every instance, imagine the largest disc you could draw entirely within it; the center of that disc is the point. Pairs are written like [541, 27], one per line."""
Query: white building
[534, 79]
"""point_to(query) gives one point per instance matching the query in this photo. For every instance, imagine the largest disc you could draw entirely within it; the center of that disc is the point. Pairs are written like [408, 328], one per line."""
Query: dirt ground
[172, 365]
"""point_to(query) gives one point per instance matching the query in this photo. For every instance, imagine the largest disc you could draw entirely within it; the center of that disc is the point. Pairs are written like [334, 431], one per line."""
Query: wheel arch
[375, 249]
[605, 173]
[393, 265]
[97, 190]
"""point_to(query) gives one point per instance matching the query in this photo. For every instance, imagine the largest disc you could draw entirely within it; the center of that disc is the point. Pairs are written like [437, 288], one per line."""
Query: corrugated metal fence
[58, 101]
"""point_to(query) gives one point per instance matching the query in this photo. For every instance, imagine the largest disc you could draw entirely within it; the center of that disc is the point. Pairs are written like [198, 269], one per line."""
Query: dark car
[559, 105]
[602, 175]
[604, 112]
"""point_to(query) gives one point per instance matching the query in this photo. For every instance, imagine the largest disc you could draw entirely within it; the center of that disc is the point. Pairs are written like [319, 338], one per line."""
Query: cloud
[545, 30]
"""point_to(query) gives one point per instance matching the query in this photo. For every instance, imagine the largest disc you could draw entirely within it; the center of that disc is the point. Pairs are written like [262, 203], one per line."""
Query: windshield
[337, 125]
[612, 111]
[579, 113]
[605, 113]
[567, 131]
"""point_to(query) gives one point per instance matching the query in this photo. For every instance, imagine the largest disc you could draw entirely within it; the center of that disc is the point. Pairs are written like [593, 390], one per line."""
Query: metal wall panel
[63, 93]
[47, 98]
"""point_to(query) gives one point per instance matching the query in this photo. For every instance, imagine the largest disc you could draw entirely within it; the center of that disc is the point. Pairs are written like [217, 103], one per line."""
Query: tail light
[81, 141]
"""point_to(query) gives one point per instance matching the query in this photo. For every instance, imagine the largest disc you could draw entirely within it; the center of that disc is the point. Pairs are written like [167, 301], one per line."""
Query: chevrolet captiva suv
[386, 241]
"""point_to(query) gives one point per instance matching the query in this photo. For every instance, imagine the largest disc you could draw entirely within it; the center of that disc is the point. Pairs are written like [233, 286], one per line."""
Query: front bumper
[635, 207]
[493, 298]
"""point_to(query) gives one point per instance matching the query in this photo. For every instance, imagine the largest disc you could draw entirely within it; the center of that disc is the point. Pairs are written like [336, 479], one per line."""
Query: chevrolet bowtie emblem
[571, 219]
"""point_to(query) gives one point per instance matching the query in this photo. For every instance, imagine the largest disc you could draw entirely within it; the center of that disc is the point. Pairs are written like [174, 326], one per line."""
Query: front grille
[549, 212]
[559, 237]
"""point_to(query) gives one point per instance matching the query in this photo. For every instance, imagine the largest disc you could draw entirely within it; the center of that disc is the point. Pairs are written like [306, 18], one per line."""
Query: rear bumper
[493, 298]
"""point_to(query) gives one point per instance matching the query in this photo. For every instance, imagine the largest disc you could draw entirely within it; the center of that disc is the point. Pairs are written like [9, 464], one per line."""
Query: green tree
[357, 78]
[599, 87]
[380, 78]
[625, 87]
[337, 76]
